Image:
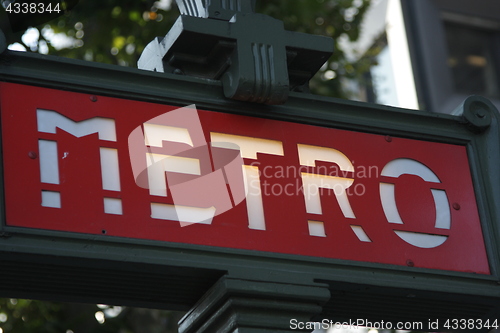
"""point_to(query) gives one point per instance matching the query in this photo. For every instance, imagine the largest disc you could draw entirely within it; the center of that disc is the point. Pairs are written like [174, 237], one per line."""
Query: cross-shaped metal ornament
[252, 54]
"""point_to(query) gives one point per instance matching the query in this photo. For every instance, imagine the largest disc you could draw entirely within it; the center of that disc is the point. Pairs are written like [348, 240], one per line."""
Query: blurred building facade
[430, 54]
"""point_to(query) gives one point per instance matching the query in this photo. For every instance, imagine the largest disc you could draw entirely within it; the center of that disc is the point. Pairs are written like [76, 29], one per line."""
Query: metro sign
[100, 165]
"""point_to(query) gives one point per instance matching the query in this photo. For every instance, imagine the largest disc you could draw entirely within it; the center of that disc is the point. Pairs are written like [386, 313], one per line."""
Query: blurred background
[426, 55]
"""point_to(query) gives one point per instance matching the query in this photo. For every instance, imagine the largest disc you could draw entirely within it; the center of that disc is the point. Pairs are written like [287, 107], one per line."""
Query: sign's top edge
[23, 67]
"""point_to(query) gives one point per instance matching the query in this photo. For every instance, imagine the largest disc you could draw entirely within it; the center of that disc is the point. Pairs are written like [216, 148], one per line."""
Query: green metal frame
[75, 267]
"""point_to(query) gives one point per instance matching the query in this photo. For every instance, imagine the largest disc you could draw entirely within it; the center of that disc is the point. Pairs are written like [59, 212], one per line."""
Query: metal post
[244, 306]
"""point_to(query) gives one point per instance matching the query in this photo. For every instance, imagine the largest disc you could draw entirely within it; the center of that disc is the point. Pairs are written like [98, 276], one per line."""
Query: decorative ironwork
[252, 54]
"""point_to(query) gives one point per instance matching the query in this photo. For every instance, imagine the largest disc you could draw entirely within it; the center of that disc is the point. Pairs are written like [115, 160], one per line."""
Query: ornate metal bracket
[253, 56]
[216, 9]
[476, 112]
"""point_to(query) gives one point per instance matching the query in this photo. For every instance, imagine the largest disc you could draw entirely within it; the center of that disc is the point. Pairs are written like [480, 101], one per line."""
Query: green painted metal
[254, 306]
[63, 266]
[251, 54]
[216, 9]
[3, 42]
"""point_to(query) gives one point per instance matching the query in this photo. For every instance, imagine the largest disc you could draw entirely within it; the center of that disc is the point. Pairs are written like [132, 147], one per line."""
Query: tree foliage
[31, 316]
[117, 31]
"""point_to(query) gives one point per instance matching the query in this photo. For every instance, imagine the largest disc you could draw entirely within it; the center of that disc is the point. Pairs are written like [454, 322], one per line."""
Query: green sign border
[72, 267]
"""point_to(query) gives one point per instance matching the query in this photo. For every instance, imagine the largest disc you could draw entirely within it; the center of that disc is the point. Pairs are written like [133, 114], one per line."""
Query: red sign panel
[101, 165]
